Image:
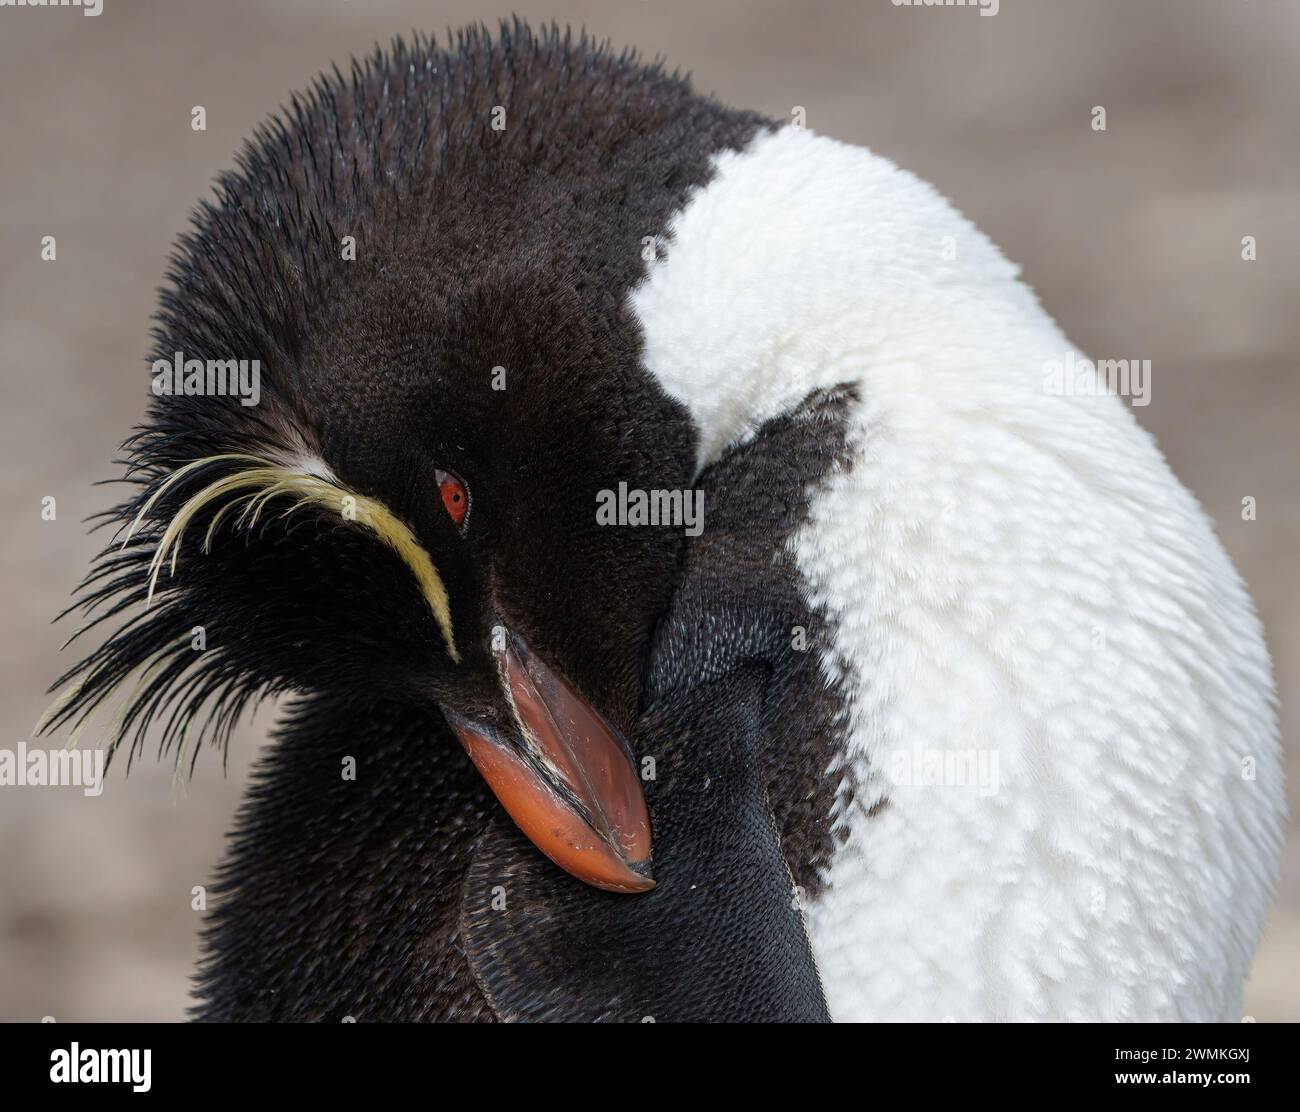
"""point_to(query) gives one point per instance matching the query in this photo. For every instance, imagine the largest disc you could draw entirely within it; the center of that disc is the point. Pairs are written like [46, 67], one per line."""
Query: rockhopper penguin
[944, 714]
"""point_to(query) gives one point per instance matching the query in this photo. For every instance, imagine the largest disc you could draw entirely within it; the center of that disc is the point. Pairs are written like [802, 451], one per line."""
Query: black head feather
[475, 248]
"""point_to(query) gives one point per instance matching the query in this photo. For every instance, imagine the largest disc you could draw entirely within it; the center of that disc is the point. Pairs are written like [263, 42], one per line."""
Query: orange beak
[571, 786]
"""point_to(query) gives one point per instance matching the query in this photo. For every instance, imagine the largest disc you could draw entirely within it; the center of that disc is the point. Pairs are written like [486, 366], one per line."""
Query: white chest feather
[1056, 678]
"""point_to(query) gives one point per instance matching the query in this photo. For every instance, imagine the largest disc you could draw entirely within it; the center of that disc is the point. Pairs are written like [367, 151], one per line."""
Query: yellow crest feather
[264, 480]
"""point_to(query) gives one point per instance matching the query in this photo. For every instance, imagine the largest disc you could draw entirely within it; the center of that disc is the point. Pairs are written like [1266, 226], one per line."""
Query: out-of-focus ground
[1131, 238]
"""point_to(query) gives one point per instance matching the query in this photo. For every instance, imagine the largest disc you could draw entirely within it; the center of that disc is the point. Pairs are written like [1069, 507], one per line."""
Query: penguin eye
[455, 496]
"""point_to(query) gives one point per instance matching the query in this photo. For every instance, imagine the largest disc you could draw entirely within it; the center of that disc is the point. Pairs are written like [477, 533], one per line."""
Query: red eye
[454, 496]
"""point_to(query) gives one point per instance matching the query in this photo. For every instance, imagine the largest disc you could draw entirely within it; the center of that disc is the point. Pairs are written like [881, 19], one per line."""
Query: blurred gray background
[1131, 238]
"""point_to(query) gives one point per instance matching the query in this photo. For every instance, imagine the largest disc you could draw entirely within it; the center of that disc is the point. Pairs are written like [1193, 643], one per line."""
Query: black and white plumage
[903, 530]
[476, 249]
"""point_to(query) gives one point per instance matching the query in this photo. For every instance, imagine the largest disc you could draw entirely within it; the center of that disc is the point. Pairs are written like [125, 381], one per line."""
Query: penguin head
[409, 512]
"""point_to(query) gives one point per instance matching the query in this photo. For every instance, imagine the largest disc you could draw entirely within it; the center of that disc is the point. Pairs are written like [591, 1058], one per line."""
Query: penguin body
[1015, 582]
[911, 551]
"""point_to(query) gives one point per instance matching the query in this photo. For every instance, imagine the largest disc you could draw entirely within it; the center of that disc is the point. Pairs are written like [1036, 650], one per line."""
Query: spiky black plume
[397, 151]
[256, 269]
